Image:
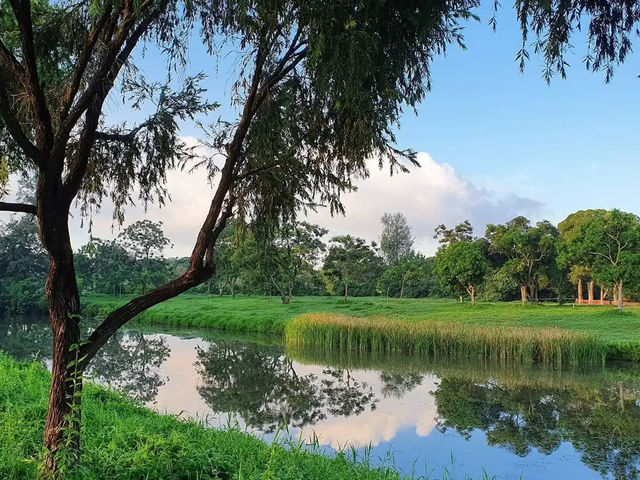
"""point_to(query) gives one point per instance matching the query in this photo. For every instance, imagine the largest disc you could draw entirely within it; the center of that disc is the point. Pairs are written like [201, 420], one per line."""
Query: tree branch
[123, 137]
[9, 63]
[17, 207]
[15, 129]
[111, 64]
[82, 62]
[44, 131]
[79, 166]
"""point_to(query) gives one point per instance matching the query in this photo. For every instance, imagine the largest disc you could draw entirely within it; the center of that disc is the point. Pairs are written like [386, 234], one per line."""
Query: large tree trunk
[620, 295]
[63, 416]
[590, 291]
[579, 298]
[523, 294]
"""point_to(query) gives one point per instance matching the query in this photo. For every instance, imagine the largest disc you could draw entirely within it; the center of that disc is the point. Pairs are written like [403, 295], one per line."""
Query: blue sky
[495, 143]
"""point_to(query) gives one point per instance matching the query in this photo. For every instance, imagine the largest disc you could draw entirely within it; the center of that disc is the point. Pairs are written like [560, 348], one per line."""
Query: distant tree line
[592, 256]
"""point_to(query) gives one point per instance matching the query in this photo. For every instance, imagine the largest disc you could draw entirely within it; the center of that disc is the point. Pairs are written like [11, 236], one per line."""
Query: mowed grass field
[268, 314]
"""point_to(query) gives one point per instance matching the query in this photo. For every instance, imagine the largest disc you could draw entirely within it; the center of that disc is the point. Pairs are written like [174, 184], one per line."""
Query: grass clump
[438, 339]
[124, 441]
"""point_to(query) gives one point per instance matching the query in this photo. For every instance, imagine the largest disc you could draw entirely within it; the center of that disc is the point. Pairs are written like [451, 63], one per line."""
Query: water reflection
[601, 421]
[261, 384]
[509, 420]
[129, 361]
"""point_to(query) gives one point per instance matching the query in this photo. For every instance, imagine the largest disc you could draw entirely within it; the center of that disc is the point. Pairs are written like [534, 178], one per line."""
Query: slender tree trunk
[620, 296]
[523, 294]
[615, 293]
[233, 288]
[472, 294]
[63, 415]
[579, 299]
[590, 286]
[402, 287]
[346, 291]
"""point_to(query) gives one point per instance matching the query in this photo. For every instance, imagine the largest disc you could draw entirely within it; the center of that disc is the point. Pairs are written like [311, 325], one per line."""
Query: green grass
[621, 332]
[440, 339]
[122, 440]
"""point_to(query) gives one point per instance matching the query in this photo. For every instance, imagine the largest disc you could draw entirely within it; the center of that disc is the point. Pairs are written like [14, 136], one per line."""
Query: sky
[493, 143]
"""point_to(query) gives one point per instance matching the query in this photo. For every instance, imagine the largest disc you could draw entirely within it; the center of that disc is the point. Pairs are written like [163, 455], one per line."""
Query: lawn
[263, 314]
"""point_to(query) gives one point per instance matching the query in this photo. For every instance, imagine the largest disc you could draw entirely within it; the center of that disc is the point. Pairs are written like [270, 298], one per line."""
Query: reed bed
[438, 339]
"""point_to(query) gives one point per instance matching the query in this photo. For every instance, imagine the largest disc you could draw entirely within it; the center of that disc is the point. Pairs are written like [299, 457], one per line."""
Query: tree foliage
[396, 241]
[352, 266]
[462, 266]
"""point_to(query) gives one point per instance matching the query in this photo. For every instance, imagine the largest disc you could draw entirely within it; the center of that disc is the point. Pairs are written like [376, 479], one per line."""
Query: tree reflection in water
[602, 422]
[129, 362]
[519, 409]
[261, 384]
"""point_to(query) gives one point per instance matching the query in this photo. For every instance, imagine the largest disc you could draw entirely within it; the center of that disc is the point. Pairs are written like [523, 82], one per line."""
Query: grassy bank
[263, 314]
[439, 339]
[618, 334]
[124, 441]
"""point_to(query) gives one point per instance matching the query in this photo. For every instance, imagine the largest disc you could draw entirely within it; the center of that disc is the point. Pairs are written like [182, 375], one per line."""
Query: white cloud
[428, 196]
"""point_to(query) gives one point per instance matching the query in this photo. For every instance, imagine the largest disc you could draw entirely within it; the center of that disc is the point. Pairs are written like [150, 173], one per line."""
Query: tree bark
[620, 295]
[63, 415]
[346, 291]
[472, 294]
[523, 294]
[590, 287]
[579, 298]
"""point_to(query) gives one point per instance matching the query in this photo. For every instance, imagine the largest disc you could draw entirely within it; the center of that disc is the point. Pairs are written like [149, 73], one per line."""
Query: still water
[421, 416]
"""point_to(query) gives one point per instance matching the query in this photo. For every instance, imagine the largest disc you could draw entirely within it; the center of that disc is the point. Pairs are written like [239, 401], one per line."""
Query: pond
[421, 416]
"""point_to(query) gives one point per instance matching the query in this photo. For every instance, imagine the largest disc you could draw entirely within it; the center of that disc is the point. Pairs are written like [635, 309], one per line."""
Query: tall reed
[437, 339]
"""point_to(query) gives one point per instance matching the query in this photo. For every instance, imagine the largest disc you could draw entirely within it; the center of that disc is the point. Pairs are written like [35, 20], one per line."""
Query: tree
[228, 268]
[567, 259]
[462, 232]
[353, 264]
[282, 255]
[462, 267]
[23, 265]
[104, 266]
[145, 242]
[609, 244]
[319, 85]
[529, 251]
[412, 277]
[396, 240]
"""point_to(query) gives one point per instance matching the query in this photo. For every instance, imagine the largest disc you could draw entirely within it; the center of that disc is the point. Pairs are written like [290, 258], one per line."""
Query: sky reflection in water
[414, 413]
